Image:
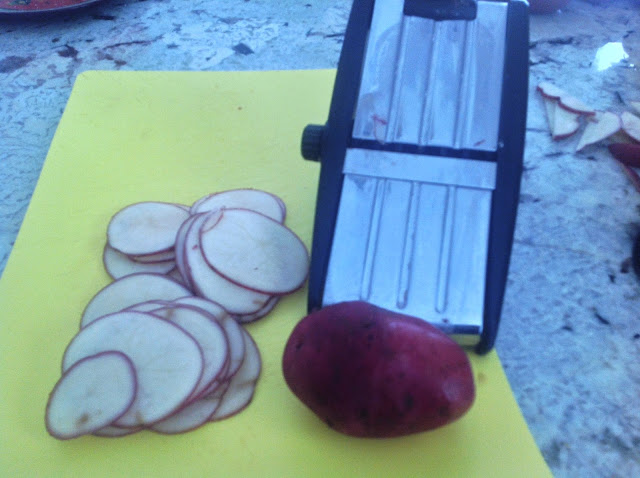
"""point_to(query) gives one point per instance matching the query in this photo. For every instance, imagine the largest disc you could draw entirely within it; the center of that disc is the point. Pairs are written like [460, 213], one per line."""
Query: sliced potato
[209, 284]
[260, 201]
[603, 125]
[242, 385]
[130, 290]
[208, 306]
[190, 417]
[119, 265]
[94, 392]
[209, 334]
[162, 256]
[565, 123]
[145, 227]
[254, 251]
[167, 360]
[266, 309]
[631, 125]
[115, 432]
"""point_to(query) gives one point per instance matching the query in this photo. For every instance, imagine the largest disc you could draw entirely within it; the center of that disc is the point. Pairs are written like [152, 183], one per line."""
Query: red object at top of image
[24, 6]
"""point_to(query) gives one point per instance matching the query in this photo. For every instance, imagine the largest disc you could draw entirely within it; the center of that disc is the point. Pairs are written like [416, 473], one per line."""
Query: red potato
[145, 227]
[254, 251]
[91, 394]
[167, 360]
[626, 153]
[260, 201]
[369, 372]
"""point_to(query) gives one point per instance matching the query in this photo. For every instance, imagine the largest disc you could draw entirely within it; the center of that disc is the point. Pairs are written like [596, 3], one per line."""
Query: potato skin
[370, 372]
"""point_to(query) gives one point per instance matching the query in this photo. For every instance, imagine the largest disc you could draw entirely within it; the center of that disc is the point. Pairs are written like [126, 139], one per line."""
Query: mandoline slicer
[421, 159]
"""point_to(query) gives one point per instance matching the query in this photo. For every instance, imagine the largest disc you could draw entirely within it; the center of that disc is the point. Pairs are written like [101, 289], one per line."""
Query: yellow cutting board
[134, 136]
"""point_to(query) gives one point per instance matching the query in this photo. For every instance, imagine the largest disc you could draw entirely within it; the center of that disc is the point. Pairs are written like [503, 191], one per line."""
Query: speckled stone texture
[570, 335]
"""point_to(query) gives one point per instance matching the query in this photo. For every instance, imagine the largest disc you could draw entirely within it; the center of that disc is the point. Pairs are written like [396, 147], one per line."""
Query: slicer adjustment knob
[311, 146]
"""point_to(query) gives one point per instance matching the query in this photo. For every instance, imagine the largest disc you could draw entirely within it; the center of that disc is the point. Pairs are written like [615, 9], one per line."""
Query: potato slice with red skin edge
[233, 330]
[119, 265]
[130, 290]
[283, 208]
[235, 335]
[168, 361]
[243, 383]
[147, 306]
[254, 251]
[192, 416]
[182, 206]
[565, 123]
[268, 307]
[116, 432]
[180, 249]
[254, 199]
[168, 255]
[626, 153]
[234, 401]
[550, 105]
[549, 90]
[369, 372]
[575, 105]
[564, 100]
[94, 392]
[635, 105]
[603, 125]
[209, 334]
[212, 286]
[145, 228]
[631, 125]
[208, 306]
[177, 276]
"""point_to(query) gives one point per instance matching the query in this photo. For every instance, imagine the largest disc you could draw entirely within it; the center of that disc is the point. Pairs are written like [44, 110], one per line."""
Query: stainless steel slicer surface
[412, 229]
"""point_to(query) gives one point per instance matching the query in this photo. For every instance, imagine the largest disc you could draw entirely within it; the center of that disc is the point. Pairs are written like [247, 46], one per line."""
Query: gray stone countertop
[570, 333]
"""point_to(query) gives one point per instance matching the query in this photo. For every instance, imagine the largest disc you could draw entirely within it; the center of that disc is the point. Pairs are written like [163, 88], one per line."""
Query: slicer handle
[311, 145]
